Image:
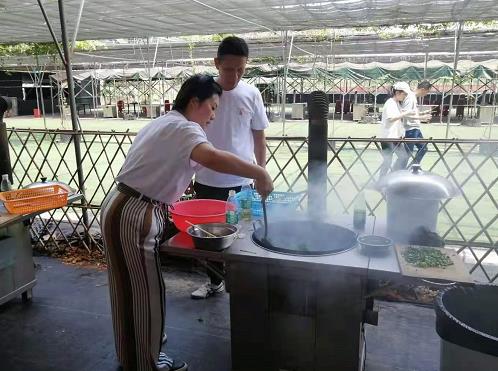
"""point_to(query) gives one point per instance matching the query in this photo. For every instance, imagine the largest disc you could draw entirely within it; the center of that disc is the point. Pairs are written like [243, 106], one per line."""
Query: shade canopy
[114, 19]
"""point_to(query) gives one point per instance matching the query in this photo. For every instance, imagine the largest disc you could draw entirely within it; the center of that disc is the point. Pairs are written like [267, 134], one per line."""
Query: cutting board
[454, 273]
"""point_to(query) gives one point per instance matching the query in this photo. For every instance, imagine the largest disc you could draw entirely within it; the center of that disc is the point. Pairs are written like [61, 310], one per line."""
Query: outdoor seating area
[274, 186]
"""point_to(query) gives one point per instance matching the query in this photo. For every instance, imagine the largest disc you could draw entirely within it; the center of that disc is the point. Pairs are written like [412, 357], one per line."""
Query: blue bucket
[275, 202]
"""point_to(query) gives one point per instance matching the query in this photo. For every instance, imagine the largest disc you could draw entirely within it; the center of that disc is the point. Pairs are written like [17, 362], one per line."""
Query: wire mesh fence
[469, 221]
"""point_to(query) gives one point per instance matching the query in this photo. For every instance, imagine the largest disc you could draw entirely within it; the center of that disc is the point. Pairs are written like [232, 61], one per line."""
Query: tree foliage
[266, 60]
[220, 36]
[426, 29]
[24, 49]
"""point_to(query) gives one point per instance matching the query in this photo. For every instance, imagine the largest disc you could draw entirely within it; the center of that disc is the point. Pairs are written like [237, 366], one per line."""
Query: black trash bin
[467, 322]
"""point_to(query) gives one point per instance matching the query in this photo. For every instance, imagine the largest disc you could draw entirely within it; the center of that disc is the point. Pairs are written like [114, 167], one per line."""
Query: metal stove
[297, 311]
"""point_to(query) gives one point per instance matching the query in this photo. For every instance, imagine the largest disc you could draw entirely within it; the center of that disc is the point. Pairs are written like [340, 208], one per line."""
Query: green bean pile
[426, 257]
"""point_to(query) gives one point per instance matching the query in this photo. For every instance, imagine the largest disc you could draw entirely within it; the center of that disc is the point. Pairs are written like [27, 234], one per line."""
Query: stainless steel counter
[17, 273]
[292, 312]
[243, 249]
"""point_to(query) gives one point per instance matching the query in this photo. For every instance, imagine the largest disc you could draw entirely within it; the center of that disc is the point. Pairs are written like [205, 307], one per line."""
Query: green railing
[469, 221]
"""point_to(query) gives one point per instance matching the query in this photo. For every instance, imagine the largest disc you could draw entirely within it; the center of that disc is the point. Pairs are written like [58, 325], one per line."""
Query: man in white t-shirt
[412, 124]
[392, 128]
[238, 128]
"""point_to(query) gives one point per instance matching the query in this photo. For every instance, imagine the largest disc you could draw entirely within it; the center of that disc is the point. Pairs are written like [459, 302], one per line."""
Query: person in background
[238, 128]
[392, 128]
[158, 168]
[412, 123]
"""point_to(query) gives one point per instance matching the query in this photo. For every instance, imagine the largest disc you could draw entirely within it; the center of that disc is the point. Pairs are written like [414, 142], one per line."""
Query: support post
[458, 37]
[343, 98]
[284, 84]
[39, 85]
[37, 93]
[375, 99]
[94, 92]
[495, 92]
[51, 30]
[425, 65]
[149, 73]
[52, 96]
[76, 29]
[442, 103]
[74, 118]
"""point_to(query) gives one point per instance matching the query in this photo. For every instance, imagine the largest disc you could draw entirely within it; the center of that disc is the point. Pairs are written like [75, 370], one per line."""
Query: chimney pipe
[318, 109]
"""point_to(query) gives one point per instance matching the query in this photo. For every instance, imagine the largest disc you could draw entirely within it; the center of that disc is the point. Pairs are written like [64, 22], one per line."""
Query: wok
[304, 237]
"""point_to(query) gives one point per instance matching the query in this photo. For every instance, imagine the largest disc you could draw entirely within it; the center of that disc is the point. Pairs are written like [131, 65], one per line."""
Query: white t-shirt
[410, 104]
[240, 111]
[393, 129]
[158, 163]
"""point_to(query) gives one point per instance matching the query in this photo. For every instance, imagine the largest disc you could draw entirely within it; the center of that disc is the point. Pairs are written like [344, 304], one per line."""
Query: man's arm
[259, 147]
[416, 115]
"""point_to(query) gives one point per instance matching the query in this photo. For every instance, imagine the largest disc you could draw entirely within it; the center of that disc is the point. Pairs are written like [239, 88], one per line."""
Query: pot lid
[415, 183]
[44, 182]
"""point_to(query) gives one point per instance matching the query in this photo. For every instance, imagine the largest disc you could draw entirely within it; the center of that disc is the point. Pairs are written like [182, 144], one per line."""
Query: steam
[317, 191]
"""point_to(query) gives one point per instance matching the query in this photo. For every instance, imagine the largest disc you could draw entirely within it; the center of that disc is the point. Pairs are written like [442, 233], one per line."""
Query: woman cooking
[156, 172]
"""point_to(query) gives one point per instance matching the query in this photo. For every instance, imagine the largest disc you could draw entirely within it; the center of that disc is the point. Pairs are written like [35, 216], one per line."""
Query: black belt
[127, 190]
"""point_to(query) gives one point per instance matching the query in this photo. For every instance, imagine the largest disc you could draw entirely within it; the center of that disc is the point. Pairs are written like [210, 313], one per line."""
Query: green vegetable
[426, 257]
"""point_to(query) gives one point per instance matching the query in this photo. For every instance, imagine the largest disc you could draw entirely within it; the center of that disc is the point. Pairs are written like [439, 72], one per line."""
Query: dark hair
[198, 86]
[424, 85]
[233, 45]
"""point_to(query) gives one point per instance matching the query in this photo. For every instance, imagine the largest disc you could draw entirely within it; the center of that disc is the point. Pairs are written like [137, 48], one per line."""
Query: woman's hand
[226, 162]
[264, 184]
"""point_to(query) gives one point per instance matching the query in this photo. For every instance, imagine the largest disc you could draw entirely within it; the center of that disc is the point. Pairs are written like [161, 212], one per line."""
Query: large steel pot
[413, 199]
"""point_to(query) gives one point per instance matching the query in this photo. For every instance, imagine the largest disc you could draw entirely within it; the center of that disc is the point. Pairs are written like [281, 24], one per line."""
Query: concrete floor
[68, 326]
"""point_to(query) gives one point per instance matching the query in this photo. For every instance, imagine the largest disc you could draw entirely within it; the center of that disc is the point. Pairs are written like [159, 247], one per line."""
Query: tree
[24, 49]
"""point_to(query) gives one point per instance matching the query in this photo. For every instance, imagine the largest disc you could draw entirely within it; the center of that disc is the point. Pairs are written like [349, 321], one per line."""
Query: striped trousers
[132, 231]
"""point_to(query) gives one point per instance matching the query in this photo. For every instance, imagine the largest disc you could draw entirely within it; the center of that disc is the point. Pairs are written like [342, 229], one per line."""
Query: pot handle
[416, 168]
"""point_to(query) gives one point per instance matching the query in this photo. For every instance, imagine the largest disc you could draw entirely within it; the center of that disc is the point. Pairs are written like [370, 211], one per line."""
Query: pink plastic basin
[199, 211]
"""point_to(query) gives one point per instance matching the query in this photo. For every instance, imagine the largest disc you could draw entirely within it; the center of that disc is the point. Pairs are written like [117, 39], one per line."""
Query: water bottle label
[231, 217]
[246, 214]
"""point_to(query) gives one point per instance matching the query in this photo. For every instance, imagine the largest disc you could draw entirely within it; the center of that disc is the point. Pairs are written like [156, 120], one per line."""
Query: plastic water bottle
[232, 215]
[5, 185]
[360, 212]
[246, 203]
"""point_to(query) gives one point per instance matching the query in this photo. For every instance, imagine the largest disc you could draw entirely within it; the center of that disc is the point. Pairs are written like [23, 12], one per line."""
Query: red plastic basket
[198, 211]
[25, 201]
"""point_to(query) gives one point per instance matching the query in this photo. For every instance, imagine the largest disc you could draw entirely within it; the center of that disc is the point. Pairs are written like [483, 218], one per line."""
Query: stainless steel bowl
[374, 245]
[227, 233]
